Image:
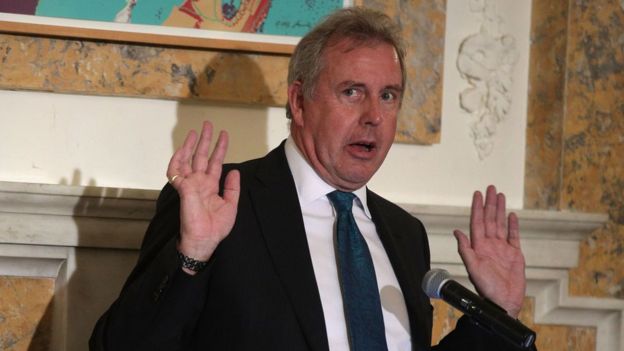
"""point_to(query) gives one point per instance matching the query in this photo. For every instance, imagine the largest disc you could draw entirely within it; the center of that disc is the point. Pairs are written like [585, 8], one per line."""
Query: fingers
[215, 164]
[491, 210]
[501, 217]
[202, 152]
[179, 165]
[477, 229]
[514, 231]
[494, 214]
[190, 158]
[489, 220]
[231, 187]
[465, 250]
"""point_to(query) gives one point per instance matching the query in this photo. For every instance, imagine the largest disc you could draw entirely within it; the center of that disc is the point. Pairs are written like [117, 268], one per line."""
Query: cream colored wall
[116, 142]
[126, 142]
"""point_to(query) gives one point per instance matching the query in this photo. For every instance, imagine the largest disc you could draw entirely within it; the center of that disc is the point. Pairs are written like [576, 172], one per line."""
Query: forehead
[372, 58]
[347, 46]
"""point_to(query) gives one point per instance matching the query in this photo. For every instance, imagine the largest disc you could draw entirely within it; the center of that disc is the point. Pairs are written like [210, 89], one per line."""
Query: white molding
[72, 216]
[549, 238]
[46, 229]
[29, 267]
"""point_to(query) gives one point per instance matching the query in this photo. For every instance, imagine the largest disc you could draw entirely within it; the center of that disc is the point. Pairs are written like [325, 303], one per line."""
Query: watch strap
[191, 263]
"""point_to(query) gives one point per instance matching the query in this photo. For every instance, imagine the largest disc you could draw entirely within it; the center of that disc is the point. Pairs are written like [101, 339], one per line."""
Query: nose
[372, 114]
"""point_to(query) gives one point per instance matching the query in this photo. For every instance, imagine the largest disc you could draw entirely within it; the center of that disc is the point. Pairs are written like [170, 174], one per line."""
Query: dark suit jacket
[259, 291]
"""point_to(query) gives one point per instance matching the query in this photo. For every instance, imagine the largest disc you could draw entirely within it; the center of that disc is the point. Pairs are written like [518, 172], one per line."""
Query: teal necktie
[360, 294]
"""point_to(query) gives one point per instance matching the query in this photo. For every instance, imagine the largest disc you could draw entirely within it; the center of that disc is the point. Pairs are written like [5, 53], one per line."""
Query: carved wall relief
[486, 60]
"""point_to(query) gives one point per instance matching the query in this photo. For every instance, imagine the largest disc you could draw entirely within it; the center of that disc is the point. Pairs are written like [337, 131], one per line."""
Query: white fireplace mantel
[87, 240]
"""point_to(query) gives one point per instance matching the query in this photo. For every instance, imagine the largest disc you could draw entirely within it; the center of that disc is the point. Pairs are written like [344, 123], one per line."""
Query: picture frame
[148, 34]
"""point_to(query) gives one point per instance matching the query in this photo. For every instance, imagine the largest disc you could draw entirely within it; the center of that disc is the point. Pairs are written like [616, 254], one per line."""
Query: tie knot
[341, 200]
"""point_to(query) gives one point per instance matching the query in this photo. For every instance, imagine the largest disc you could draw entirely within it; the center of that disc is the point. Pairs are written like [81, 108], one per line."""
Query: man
[247, 261]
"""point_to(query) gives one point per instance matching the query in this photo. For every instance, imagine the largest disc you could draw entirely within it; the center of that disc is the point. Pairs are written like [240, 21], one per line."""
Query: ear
[295, 101]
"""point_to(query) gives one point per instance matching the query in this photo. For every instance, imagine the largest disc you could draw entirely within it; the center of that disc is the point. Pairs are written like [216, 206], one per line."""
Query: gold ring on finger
[172, 179]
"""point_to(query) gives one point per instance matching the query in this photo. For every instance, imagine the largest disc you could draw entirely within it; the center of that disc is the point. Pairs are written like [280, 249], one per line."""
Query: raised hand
[492, 255]
[206, 218]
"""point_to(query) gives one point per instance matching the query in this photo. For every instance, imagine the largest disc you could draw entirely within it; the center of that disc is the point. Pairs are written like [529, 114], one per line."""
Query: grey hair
[359, 24]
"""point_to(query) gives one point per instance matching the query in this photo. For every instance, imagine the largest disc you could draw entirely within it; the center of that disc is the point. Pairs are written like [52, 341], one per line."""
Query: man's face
[347, 127]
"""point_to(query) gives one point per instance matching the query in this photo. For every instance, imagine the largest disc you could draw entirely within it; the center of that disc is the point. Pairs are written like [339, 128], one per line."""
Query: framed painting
[272, 26]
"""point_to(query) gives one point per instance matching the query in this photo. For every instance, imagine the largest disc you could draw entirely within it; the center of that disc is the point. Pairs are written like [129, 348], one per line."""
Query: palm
[203, 213]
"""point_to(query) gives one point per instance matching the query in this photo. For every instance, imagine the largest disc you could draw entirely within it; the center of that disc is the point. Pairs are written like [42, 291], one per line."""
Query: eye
[350, 92]
[388, 96]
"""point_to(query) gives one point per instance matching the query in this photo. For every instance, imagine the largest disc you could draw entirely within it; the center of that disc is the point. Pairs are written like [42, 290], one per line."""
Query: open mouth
[364, 146]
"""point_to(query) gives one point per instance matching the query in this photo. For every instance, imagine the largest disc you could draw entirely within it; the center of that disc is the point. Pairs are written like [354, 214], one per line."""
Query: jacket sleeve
[159, 304]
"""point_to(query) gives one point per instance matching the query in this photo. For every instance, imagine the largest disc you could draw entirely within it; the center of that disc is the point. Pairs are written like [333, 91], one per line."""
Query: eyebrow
[349, 83]
[397, 87]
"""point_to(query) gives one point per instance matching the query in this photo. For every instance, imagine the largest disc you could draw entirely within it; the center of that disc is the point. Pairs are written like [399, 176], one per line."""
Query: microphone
[437, 284]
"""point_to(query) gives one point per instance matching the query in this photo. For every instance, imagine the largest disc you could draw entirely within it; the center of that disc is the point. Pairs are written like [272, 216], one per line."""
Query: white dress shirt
[319, 220]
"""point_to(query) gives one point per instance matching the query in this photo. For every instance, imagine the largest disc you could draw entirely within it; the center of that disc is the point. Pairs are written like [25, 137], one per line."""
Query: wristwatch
[191, 263]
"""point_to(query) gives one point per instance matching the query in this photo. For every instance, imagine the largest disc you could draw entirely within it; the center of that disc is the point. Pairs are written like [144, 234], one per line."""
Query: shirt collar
[310, 186]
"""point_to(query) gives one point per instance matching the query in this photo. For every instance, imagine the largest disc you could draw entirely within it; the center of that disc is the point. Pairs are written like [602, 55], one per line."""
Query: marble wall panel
[89, 67]
[23, 318]
[594, 123]
[593, 147]
[444, 319]
[545, 104]
[600, 272]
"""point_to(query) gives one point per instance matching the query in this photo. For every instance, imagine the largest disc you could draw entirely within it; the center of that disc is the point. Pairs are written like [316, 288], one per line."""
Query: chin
[357, 181]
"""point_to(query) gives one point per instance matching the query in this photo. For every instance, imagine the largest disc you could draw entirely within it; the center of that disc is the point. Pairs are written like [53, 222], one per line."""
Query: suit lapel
[276, 203]
[399, 248]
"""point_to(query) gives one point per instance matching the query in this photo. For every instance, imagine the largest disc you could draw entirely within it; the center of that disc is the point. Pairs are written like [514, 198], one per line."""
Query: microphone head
[433, 281]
